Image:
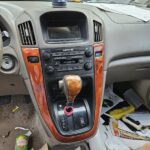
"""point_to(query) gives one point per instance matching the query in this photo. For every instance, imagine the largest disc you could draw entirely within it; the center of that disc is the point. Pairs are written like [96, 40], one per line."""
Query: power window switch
[33, 59]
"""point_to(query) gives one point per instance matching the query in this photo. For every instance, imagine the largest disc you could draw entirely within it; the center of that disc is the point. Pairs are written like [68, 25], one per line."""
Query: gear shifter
[72, 85]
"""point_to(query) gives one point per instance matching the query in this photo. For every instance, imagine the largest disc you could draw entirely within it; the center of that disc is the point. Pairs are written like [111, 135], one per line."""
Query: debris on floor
[131, 97]
[21, 142]
[118, 113]
[126, 121]
[15, 109]
[110, 100]
[21, 128]
[19, 123]
[6, 134]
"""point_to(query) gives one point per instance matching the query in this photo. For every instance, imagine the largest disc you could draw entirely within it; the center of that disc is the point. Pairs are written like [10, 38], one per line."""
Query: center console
[56, 64]
[67, 76]
[59, 62]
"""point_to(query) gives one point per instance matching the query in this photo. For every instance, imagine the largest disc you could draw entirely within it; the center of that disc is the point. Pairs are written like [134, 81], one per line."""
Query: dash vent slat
[97, 31]
[26, 33]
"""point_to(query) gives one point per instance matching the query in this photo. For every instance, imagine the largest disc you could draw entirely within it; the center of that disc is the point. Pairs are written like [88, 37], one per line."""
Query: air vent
[97, 31]
[27, 33]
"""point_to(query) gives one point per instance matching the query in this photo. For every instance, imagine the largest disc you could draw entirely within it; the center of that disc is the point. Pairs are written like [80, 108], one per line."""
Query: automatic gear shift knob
[72, 87]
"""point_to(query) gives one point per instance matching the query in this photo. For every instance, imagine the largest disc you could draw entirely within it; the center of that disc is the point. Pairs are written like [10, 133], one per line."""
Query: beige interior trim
[12, 85]
[1, 47]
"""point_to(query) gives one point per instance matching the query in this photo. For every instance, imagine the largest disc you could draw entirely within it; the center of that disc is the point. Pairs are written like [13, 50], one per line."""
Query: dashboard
[42, 44]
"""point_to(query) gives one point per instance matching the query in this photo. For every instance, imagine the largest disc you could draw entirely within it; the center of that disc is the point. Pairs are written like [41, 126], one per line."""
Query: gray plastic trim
[128, 69]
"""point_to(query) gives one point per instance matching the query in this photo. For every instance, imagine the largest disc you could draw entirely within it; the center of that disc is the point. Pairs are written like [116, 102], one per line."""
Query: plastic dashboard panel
[128, 69]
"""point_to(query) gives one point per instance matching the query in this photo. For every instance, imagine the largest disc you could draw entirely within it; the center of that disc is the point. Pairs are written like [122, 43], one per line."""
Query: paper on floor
[119, 142]
[122, 126]
[132, 144]
[130, 10]
[144, 132]
[109, 95]
[113, 143]
[142, 117]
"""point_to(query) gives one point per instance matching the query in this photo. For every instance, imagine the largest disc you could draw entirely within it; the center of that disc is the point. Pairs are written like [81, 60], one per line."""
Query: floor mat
[24, 116]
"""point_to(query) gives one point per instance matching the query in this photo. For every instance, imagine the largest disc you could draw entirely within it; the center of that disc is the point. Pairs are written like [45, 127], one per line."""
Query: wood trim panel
[99, 64]
[36, 78]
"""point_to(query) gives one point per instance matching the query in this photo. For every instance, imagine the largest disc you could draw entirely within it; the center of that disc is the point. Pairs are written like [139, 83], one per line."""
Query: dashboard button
[80, 53]
[59, 58]
[49, 69]
[33, 59]
[80, 67]
[69, 68]
[57, 63]
[46, 56]
[81, 61]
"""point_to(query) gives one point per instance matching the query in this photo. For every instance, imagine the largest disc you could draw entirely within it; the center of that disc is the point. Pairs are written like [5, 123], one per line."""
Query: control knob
[88, 53]
[87, 66]
[49, 69]
[46, 56]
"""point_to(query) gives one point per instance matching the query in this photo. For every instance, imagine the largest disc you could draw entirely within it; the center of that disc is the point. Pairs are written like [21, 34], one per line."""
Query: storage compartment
[64, 26]
[129, 69]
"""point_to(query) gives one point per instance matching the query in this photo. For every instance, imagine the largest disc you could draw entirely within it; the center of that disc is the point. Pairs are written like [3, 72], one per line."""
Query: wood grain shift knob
[72, 87]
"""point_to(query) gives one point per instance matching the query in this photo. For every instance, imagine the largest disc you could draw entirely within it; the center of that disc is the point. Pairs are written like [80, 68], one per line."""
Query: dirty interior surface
[24, 116]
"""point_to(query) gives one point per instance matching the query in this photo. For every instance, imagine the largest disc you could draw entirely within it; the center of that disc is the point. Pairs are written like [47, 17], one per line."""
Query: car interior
[56, 61]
